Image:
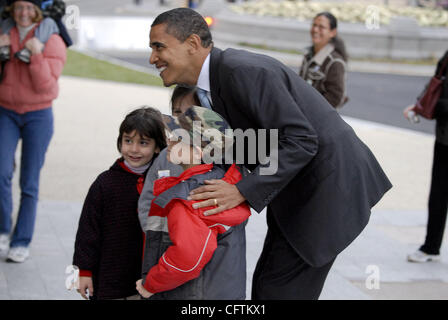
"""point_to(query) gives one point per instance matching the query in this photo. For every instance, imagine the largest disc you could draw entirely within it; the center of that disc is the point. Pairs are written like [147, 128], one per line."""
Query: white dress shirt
[204, 78]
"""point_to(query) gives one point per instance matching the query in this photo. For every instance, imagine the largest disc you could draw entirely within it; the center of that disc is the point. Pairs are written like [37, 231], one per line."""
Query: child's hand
[4, 40]
[34, 45]
[85, 283]
[143, 292]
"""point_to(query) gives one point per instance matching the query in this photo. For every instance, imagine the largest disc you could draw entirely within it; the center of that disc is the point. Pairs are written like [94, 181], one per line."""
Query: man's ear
[194, 42]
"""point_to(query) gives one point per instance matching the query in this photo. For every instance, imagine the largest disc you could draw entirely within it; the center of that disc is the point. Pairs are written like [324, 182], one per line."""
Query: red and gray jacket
[189, 255]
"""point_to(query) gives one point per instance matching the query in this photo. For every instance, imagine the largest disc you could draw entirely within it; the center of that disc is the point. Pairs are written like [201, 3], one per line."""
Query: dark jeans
[281, 274]
[35, 129]
[438, 201]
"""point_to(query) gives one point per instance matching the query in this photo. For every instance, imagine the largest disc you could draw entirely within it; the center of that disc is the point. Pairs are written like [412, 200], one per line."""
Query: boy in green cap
[190, 255]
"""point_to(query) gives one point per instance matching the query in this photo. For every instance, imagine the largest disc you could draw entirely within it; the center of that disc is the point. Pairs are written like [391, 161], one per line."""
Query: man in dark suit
[327, 180]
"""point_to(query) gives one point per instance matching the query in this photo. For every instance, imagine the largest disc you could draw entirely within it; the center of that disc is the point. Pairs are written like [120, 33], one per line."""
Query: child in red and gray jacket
[190, 255]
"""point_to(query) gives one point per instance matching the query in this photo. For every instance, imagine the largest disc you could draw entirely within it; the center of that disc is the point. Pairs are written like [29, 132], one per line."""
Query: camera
[54, 9]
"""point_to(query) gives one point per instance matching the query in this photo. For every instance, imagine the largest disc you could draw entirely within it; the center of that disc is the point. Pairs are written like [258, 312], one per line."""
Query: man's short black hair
[183, 22]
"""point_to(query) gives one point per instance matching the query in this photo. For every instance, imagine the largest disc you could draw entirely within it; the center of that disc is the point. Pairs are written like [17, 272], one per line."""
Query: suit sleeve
[264, 96]
[193, 247]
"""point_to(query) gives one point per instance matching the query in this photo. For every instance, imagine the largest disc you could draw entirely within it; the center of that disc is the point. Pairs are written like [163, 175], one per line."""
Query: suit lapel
[215, 86]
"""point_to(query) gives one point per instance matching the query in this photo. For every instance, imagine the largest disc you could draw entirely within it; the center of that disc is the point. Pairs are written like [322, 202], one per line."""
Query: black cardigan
[109, 241]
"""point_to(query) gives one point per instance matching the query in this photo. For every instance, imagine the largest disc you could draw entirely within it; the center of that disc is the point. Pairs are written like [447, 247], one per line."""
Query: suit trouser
[281, 274]
[438, 201]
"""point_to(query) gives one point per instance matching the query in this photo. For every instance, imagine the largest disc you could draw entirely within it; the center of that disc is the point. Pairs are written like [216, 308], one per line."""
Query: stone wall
[401, 39]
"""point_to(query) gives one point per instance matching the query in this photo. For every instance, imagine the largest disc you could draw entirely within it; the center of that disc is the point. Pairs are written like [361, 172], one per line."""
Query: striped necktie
[203, 98]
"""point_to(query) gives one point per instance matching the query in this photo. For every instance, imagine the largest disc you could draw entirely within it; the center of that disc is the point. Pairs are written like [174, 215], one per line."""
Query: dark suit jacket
[327, 179]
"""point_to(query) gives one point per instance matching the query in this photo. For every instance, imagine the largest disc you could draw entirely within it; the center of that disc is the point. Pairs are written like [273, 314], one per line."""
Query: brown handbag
[428, 99]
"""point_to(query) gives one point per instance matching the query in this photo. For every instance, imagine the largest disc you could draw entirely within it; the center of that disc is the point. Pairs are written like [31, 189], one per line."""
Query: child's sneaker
[5, 53]
[4, 243]
[420, 256]
[18, 254]
[24, 55]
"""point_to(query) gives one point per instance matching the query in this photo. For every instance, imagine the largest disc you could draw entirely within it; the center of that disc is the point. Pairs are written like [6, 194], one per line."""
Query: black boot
[24, 55]
[5, 53]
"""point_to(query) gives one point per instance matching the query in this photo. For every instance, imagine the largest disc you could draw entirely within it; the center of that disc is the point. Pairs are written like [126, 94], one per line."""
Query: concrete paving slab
[23, 280]
[339, 288]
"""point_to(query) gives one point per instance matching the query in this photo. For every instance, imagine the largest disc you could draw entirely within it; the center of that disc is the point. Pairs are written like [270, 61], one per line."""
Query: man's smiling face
[170, 56]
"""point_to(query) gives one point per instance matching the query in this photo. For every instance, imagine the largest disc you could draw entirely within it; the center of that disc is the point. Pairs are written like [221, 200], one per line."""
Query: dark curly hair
[147, 122]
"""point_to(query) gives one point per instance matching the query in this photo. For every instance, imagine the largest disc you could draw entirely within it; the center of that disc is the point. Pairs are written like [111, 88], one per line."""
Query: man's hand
[143, 292]
[217, 193]
[34, 45]
[4, 40]
[85, 283]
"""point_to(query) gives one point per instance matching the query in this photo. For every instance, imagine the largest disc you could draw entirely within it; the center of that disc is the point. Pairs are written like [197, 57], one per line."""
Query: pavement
[87, 116]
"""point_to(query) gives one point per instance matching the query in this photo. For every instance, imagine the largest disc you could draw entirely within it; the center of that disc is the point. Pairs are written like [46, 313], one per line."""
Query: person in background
[109, 240]
[438, 196]
[27, 92]
[324, 66]
[50, 15]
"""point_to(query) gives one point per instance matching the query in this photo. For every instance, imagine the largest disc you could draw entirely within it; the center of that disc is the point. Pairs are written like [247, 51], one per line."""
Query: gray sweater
[144, 203]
